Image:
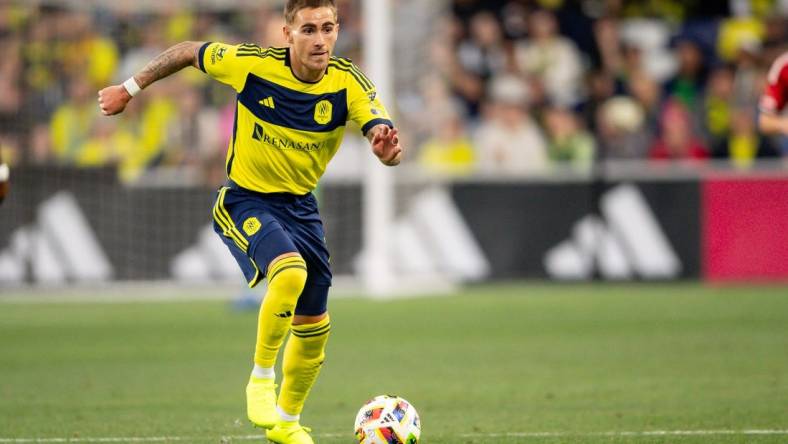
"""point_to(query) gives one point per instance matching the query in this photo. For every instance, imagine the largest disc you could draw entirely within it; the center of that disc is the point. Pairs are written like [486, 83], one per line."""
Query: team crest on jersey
[251, 226]
[323, 112]
[217, 53]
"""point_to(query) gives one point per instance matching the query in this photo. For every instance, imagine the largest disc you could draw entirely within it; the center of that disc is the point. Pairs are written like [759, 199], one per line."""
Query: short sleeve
[364, 105]
[229, 64]
[774, 95]
[773, 99]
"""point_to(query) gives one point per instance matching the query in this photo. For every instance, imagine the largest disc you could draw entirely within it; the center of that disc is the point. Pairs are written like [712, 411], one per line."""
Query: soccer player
[291, 110]
[774, 98]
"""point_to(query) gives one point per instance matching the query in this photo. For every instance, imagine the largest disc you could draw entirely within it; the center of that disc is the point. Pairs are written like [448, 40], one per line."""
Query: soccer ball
[387, 419]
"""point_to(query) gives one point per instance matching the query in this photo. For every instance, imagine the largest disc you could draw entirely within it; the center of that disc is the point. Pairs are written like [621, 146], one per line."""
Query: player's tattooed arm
[113, 99]
[169, 62]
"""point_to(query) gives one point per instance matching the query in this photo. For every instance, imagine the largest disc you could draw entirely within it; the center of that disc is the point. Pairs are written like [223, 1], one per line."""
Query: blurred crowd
[56, 58]
[505, 87]
[527, 86]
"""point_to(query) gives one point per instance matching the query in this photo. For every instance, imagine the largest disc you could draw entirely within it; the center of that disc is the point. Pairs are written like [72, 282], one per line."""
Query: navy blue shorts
[258, 227]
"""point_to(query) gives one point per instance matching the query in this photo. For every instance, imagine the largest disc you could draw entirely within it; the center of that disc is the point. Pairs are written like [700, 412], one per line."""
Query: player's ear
[287, 33]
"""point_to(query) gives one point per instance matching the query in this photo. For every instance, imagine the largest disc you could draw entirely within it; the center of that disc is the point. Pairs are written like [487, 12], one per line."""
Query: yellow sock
[286, 279]
[304, 354]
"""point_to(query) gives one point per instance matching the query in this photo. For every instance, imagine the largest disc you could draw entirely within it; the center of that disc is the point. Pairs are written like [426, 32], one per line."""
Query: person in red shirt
[676, 140]
[774, 98]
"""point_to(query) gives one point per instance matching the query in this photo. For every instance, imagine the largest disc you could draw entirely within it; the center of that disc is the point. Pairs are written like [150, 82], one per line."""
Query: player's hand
[113, 99]
[385, 145]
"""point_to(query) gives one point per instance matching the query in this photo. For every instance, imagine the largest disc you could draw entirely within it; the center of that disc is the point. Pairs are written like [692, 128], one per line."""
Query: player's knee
[288, 275]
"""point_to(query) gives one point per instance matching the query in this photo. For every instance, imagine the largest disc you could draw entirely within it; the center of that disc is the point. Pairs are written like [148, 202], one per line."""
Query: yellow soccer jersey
[286, 130]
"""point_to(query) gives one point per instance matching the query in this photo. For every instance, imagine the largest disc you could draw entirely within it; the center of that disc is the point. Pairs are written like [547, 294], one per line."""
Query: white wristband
[131, 86]
[5, 172]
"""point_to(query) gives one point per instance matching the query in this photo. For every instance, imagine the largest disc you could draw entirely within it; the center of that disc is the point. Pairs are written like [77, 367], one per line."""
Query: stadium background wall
[706, 222]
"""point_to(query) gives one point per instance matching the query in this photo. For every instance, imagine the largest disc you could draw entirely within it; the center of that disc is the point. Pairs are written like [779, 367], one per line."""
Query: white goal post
[378, 187]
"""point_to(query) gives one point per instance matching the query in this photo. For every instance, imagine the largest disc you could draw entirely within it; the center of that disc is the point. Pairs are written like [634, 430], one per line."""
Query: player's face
[312, 37]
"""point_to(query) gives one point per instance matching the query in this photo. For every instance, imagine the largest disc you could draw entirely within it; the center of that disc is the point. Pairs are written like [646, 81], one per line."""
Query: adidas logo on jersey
[268, 101]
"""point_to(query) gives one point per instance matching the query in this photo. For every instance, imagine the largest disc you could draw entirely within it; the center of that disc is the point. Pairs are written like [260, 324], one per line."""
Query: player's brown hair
[293, 6]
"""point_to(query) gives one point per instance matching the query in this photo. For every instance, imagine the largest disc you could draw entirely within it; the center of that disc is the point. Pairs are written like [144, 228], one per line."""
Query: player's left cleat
[289, 433]
[261, 402]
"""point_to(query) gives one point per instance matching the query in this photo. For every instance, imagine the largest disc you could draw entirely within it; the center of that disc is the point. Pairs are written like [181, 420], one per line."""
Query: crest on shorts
[251, 226]
[323, 111]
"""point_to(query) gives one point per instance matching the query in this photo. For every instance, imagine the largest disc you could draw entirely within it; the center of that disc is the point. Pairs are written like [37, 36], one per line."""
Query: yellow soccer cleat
[289, 433]
[261, 402]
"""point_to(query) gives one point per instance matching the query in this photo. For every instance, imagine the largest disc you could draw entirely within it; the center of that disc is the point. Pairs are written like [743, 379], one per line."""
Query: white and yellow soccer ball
[388, 419]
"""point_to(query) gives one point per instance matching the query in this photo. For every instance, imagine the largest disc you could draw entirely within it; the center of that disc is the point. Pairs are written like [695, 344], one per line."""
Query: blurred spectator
[514, 19]
[157, 113]
[622, 131]
[550, 60]
[677, 140]
[750, 75]
[73, 124]
[568, 142]
[718, 104]
[191, 134]
[508, 140]
[464, 10]
[449, 150]
[152, 43]
[12, 128]
[734, 32]
[744, 144]
[479, 56]
[601, 87]
[646, 92]
[608, 45]
[483, 52]
[688, 83]
[87, 53]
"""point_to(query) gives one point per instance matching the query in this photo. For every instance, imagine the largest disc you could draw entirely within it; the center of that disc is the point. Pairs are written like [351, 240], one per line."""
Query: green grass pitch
[495, 364]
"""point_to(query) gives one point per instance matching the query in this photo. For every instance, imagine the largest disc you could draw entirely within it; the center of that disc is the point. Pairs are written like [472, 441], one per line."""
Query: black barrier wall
[516, 224]
[142, 229]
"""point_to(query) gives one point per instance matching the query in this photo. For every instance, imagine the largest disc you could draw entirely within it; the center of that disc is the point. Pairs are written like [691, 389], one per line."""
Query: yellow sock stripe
[286, 261]
[229, 227]
[310, 330]
[307, 328]
[273, 275]
[314, 328]
[321, 332]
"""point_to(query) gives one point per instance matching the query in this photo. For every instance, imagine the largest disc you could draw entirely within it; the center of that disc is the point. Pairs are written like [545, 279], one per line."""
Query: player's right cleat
[287, 432]
[261, 402]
